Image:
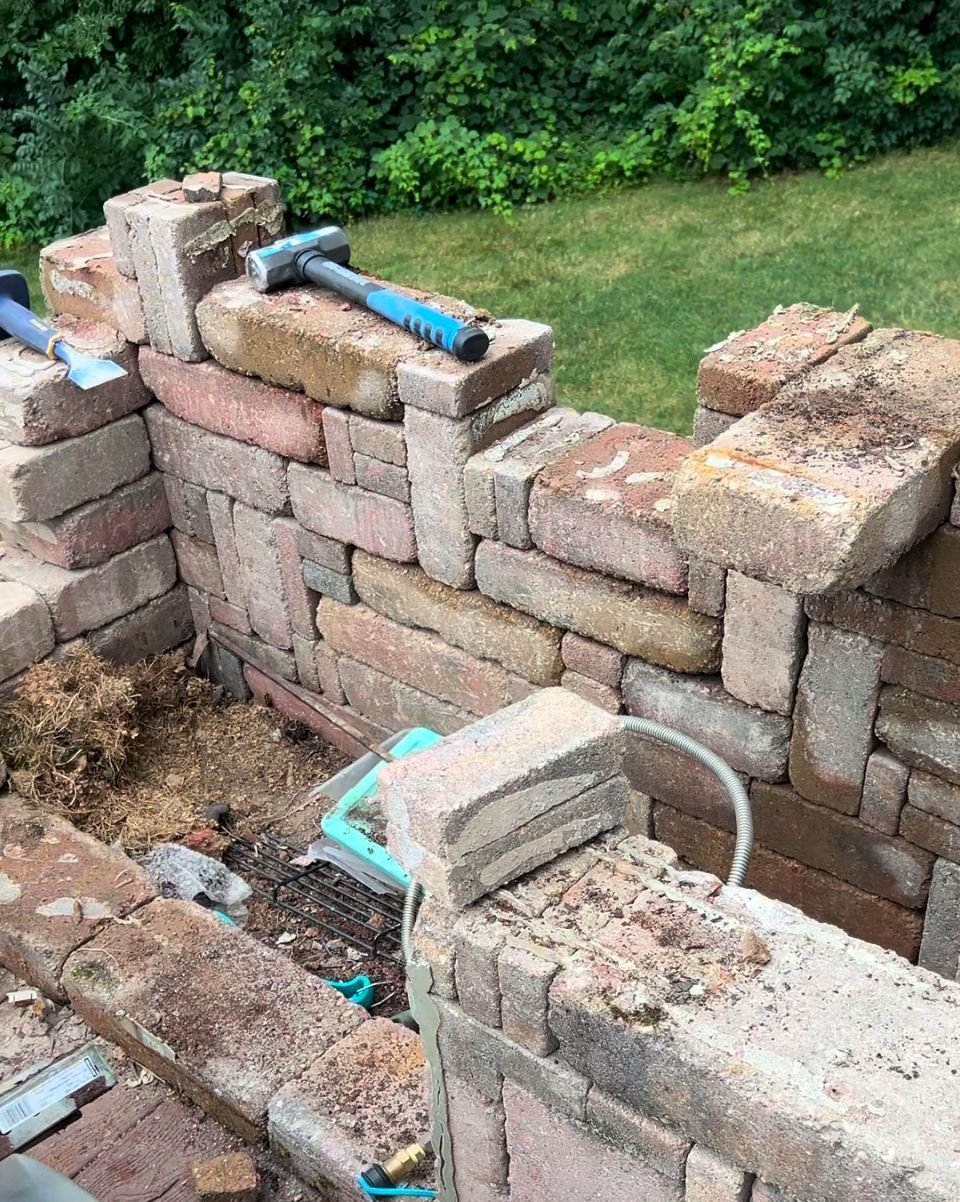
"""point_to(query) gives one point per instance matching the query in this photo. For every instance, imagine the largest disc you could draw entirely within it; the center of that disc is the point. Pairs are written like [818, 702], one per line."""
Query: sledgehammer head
[277, 266]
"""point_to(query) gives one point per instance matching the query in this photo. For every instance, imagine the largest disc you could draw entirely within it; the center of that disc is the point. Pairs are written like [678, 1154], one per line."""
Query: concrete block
[749, 739]
[438, 449]
[713, 1178]
[328, 1130]
[833, 719]
[926, 577]
[221, 509]
[522, 786]
[37, 483]
[26, 632]
[380, 525]
[884, 791]
[160, 625]
[87, 598]
[378, 440]
[750, 367]
[328, 583]
[389, 702]
[143, 986]
[922, 732]
[913, 629]
[825, 486]
[519, 351]
[940, 949]
[384, 478]
[117, 209]
[59, 888]
[251, 474]
[763, 643]
[636, 621]
[260, 571]
[416, 657]
[206, 395]
[336, 432]
[463, 618]
[592, 659]
[498, 480]
[79, 277]
[197, 563]
[605, 505]
[525, 974]
[921, 674]
[301, 605]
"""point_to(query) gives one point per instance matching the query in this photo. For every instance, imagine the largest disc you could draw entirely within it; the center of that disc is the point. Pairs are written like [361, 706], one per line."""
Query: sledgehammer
[321, 257]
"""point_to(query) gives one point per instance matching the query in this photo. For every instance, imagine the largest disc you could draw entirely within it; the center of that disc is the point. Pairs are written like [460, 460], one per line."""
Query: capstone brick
[59, 888]
[158, 626]
[336, 433]
[497, 481]
[465, 619]
[251, 474]
[818, 894]
[926, 577]
[260, 570]
[220, 508]
[913, 629]
[589, 658]
[932, 833]
[713, 1178]
[833, 718]
[836, 478]
[708, 424]
[380, 525]
[519, 351]
[940, 949]
[144, 985]
[37, 483]
[87, 598]
[884, 791]
[921, 731]
[378, 440]
[934, 796]
[706, 587]
[531, 782]
[384, 478]
[636, 621]
[26, 632]
[328, 583]
[749, 739]
[763, 643]
[197, 563]
[79, 277]
[750, 367]
[116, 211]
[91, 533]
[921, 674]
[206, 395]
[525, 975]
[416, 657]
[605, 505]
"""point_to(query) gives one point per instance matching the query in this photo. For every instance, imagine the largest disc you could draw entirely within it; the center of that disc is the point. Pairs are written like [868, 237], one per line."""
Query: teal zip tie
[375, 1191]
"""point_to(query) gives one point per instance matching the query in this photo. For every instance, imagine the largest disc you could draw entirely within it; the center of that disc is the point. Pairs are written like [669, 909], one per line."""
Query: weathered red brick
[260, 570]
[921, 731]
[926, 577]
[160, 625]
[232, 1177]
[763, 643]
[59, 887]
[602, 695]
[379, 440]
[220, 508]
[300, 603]
[251, 474]
[352, 515]
[328, 551]
[750, 367]
[934, 796]
[320, 579]
[884, 791]
[386, 701]
[708, 424]
[80, 277]
[933, 833]
[237, 406]
[921, 674]
[588, 658]
[636, 621]
[384, 478]
[940, 949]
[606, 506]
[833, 719]
[706, 587]
[116, 210]
[839, 476]
[260, 654]
[818, 894]
[336, 433]
[87, 598]
[519, 351]
[26, 632]
[197, 563]
[91, 533]
[524, 976]
[202, 185]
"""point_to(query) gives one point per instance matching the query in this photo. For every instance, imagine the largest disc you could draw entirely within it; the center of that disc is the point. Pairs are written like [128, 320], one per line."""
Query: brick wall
[417, 541]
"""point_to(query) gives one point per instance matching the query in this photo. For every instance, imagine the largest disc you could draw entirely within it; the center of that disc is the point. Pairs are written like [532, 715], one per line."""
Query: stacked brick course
[419, 541]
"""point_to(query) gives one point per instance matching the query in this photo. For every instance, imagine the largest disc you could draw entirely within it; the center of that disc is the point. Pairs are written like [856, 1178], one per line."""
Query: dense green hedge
[365, 107]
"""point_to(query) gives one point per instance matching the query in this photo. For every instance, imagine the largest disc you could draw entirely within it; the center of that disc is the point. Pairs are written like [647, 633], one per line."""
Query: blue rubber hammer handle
[16, 319]
[468, 343]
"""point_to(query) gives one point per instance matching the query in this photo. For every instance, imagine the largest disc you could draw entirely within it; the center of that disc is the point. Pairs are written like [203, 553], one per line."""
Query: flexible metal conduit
[722, 771]
[411, 907]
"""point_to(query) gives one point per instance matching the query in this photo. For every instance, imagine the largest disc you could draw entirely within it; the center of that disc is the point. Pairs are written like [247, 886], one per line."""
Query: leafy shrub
[374, 106]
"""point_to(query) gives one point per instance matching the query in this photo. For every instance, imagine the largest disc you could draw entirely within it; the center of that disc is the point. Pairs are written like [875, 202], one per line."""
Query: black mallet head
[277, 266]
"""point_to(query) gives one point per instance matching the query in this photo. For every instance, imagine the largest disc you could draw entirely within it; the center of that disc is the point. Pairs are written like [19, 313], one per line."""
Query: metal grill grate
[321, 895]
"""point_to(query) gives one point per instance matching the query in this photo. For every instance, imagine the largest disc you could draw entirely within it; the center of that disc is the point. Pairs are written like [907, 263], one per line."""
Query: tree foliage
[374, 106]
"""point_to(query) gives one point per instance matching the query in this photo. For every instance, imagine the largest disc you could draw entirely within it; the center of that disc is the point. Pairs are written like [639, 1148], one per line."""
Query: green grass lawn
[636, 284]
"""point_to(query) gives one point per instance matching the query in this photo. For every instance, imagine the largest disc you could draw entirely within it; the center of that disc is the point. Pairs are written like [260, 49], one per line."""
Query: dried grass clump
[73, 723]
